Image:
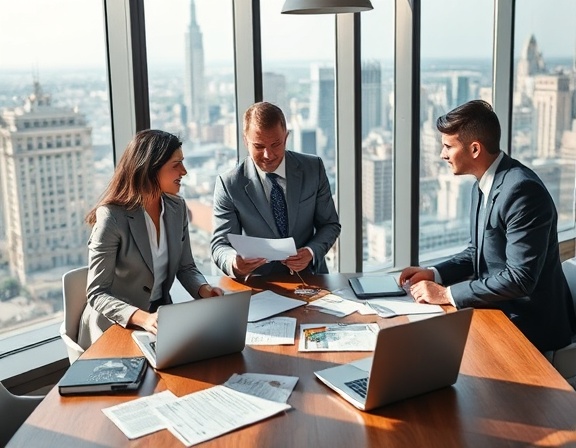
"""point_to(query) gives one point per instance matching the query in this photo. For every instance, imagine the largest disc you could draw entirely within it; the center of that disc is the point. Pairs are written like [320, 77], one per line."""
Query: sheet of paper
[136, 418]
[338, 337]
[207, 414]
[335, 305]
[271, 249]
[274, 331]
[270, 387]
[394, 307]
[267, 303]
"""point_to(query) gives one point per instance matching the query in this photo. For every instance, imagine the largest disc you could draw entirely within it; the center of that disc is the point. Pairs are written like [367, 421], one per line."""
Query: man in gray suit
[273, 193]
[512, 262]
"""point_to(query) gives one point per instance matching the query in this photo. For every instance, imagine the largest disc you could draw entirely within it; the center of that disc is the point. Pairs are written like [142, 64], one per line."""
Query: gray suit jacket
[519, 269]
[241, 207]
[120, 269]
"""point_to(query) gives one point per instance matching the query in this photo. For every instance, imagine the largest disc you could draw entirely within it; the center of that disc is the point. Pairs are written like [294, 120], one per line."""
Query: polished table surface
[507, 394]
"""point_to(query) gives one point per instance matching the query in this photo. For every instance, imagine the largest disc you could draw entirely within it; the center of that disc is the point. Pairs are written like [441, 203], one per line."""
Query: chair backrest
[569, 268]
[74, 296]
[14, 410]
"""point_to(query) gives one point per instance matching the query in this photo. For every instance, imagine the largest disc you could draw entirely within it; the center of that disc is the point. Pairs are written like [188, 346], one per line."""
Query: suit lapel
[255, 192]
[172, 220]
[293, 189]
[139, 232]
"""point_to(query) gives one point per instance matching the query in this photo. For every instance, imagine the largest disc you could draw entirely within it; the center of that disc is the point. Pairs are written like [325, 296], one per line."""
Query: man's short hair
[473, 121]
[264, 115]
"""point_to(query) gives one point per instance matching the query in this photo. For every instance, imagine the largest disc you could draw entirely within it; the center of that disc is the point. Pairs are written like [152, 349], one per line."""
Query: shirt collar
[487, 179]
[280, 171]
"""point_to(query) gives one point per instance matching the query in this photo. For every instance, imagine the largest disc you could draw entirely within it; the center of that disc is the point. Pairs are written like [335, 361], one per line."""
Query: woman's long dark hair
[136, 175]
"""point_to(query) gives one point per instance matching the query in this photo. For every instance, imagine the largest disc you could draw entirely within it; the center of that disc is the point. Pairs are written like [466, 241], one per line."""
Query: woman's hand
[207, 290]
[145, 320]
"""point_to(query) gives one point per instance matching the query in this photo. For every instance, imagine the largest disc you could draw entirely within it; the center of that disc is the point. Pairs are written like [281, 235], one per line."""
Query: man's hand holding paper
[253, 252]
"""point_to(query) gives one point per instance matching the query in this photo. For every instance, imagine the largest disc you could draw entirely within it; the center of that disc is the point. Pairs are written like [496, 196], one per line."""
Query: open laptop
[196, 330]
[409, 360]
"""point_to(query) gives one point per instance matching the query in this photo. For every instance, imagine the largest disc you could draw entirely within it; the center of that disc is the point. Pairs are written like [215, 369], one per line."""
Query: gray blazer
[120, 269]
[519, 269]
[241, 207]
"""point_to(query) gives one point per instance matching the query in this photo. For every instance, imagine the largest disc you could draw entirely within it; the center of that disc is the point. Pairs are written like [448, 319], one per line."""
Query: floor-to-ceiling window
[544, 102]
[55, 152]
[298, 54]
[377, 84]
[456, 66]
[192, 94]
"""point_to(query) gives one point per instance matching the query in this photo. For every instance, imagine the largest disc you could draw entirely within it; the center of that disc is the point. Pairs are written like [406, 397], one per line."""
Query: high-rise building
[553, 112]
[377, 179]
[371, 96]
[530, 64]
[194, 83]
[322, 107]
[45, 171]
[274, 85]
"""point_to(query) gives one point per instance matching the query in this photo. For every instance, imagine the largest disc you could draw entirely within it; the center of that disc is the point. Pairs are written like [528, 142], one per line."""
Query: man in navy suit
[512, 262]
[244, 200]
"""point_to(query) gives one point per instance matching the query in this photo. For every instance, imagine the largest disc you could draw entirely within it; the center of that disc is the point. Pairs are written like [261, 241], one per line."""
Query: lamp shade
[325, 6]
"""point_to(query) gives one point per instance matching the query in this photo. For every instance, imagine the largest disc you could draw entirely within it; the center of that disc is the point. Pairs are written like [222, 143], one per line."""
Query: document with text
[273, 331]
[338, 337]
[270, 387]
[271, 249]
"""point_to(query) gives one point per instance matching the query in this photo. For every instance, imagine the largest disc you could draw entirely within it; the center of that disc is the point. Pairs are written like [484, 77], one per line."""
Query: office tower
[371, 96]
[322, 108]
[460, 89]
[530, 64]
[377, 178]
[194, 85]
[553, 112]
[45, 162]
[274, 85]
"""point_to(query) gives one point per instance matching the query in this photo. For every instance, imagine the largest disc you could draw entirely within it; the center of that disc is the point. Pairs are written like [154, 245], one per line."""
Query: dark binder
[86, 376]
[367, 287]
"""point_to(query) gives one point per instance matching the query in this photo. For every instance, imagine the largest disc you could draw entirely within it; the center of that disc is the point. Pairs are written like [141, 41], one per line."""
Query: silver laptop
[409, 359]
[196, 330]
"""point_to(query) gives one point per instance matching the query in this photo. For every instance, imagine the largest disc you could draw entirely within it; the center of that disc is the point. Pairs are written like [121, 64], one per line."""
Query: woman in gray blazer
[139, 241]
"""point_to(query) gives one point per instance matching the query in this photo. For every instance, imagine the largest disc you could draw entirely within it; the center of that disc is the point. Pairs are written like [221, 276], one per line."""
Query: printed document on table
[274, 331]
[337, 306]
[338, 337]
[207, 414]
[136, 418]
[271, 249]
[270, 387]
[267, 303]
[395, 307]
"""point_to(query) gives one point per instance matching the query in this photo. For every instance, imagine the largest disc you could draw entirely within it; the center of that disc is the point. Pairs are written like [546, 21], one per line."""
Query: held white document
[207, 414]
[267, 303]
[271, 249]
[271, 387]
[274, 331]
[338, 337]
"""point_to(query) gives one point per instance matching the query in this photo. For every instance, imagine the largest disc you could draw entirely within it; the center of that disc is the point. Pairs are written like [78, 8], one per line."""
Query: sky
[47, 33]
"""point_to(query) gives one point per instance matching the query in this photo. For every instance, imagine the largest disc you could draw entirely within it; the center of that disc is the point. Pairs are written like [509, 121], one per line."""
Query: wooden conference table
[507, 394]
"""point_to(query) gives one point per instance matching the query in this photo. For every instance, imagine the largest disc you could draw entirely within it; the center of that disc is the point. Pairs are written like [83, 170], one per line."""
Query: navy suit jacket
[519, 269]
[121, 270]
[241, 207]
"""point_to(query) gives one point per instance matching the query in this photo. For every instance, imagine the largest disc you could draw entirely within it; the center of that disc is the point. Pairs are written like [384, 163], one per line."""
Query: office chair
[74, 296]
[14, 409]
[564, 359]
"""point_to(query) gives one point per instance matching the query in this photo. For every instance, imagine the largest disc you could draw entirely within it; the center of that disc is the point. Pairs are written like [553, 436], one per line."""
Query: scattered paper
[136, 418]
[267, 303]
[338, 337]
[394, 307]
[209, 413]
[274, 331]
[335, 305]
[271, 249]
[270, 387]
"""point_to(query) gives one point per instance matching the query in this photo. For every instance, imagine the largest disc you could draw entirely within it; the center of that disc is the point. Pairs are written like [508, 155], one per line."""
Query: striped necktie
[278, 205]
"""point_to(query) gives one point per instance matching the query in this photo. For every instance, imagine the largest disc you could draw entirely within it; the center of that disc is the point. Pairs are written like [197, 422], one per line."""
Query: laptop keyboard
[360, 386]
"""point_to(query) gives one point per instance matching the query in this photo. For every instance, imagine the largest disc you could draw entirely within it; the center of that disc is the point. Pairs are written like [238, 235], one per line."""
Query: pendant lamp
[325, 6]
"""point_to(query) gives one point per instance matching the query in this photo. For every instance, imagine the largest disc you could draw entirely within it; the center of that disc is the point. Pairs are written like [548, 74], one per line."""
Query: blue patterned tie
[278, 205]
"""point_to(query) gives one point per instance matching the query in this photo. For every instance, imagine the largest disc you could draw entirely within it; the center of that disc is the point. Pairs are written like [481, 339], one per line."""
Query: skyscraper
[371, 96]
[322, 107]
[45, 170]
[194, 85]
